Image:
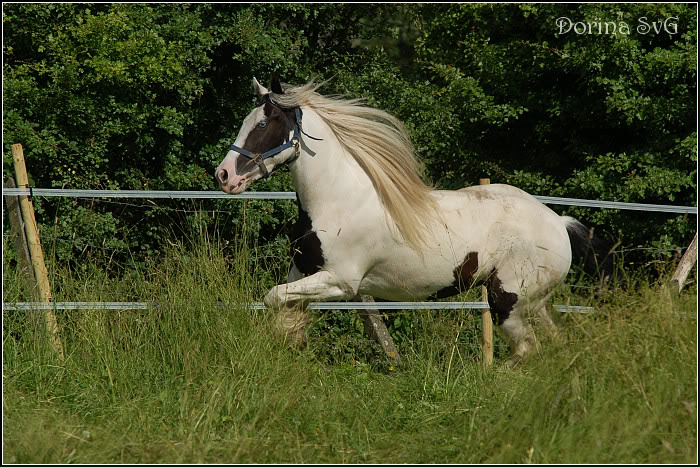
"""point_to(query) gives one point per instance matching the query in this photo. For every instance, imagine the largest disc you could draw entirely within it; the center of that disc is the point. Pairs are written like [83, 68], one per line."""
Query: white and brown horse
[368, 223]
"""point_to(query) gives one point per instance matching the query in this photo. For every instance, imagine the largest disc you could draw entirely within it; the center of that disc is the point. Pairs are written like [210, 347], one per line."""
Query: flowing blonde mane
[381, 145]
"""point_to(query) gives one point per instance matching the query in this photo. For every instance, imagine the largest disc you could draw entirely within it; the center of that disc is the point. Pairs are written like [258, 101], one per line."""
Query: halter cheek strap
[259, 159]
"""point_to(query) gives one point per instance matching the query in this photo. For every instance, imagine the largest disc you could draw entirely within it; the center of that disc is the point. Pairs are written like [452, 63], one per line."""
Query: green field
[193, 382]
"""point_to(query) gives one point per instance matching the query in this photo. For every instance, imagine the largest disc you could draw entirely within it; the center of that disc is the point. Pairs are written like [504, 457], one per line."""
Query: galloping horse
[368, 223]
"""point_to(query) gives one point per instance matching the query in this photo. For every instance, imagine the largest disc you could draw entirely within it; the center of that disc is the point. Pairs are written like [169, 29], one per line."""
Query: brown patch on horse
[464, 274]
[464, 277]
[307, 253]
[280, 122]
[500, 301]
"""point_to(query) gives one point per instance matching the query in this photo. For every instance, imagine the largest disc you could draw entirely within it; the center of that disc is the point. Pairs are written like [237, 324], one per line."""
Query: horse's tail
[588, 251]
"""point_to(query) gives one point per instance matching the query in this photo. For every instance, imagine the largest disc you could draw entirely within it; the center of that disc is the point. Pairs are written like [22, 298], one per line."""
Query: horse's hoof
[296, 340]
[292, 325]
[514, 361]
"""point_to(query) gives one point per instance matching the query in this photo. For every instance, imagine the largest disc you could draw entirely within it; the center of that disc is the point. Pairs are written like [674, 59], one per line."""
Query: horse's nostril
[223, 175]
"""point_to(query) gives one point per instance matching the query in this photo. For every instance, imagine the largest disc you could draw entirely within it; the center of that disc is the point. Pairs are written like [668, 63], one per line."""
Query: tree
[150, 96]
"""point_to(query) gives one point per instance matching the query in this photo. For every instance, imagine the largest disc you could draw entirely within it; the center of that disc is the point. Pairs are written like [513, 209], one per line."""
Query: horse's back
[508, 227]
[496, 190]
[501, 202]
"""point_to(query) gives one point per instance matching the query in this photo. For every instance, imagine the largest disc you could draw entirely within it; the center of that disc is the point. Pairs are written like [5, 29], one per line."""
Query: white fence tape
[152, 194]
[20, 306]
[101, 306]
[27, 306]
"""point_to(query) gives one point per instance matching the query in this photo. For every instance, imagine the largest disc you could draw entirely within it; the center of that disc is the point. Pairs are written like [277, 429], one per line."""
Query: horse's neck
[325, 175]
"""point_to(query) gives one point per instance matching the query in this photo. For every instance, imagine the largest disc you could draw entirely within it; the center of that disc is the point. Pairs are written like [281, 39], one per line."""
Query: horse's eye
[262, 124]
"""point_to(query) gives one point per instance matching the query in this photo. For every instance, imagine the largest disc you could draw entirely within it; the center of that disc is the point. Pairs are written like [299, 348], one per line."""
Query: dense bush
[127, 96]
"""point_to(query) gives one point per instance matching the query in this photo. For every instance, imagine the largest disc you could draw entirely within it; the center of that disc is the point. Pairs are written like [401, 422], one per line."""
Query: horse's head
[269, 138]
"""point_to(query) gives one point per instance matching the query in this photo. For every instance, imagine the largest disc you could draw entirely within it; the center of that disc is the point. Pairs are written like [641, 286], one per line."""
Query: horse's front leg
[290, 300]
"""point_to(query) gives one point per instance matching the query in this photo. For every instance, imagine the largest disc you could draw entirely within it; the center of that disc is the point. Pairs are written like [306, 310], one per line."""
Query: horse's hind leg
[544, 319]
[521, 336]
[509, 311]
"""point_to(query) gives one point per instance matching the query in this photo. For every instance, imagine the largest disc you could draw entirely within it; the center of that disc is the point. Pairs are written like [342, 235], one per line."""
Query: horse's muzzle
[230, 182]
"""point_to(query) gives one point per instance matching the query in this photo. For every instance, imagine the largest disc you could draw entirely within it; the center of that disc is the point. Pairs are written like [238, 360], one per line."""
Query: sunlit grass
[202, 378]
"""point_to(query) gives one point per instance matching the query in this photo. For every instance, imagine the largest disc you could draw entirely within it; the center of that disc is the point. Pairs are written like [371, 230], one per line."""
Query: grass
[193, 382]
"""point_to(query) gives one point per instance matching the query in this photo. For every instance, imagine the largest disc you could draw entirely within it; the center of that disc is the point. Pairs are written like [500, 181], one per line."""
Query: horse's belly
[404, 289]
[405, 276]
[400, 286]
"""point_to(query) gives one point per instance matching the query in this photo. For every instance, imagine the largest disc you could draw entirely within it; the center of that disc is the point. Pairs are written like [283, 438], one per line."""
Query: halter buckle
[260, 162]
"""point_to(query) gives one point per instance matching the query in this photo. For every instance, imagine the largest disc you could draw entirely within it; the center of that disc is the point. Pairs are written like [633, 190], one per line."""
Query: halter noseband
[294, 142]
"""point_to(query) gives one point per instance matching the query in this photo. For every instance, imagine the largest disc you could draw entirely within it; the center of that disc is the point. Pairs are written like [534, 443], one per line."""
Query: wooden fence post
[19, 238]
[685, 264]
[37, 256]
[486, 320]
[24, 262]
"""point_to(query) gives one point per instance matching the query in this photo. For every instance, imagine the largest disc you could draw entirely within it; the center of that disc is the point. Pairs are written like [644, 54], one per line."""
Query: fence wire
[154, 194]
[26, 306]
[358, 306]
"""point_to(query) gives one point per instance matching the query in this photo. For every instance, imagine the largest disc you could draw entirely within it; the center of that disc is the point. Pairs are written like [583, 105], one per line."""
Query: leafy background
[127, 96]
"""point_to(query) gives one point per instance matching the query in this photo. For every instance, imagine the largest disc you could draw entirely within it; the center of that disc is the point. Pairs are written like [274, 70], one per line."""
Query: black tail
[589, 251]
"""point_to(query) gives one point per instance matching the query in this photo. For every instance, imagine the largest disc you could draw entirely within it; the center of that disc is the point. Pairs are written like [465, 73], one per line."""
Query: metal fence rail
[26, 306]
[103, 306]
[164, 194]
[148, 194]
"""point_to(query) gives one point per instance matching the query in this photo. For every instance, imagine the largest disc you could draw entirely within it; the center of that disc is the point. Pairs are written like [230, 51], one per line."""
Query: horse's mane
[381, 146]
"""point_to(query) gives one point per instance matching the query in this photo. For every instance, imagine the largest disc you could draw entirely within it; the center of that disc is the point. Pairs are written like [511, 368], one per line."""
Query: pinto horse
[369, 224]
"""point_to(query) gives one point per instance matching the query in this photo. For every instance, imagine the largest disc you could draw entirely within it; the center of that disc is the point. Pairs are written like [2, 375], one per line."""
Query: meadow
[202, 378]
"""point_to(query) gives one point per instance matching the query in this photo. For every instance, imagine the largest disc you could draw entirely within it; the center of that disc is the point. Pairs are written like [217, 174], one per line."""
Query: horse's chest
[307, 252]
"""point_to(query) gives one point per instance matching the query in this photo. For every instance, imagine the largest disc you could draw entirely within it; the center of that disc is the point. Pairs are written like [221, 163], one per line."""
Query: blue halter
[294, 142]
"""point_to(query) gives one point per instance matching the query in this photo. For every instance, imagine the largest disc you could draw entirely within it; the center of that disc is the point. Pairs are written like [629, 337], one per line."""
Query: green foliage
[579, 115]
[136, 96]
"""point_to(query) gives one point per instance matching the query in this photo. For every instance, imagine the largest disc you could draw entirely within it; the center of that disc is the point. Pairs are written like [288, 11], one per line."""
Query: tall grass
[203, 379]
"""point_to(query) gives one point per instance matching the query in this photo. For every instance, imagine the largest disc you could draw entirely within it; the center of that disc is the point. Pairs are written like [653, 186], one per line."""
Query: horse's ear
[275, 86]
[260, 90]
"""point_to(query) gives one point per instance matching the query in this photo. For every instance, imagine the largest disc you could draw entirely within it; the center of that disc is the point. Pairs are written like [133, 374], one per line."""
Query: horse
[369, 224]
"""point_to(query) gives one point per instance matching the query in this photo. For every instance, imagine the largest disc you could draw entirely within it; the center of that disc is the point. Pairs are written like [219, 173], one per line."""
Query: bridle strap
[298, 113]
[259, 159]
